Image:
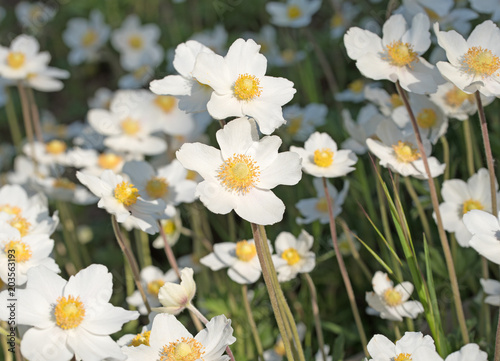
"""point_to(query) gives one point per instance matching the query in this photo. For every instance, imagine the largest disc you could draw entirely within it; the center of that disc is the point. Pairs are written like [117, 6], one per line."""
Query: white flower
[342, 18]
[397, 56]
[34, 15]
[47, 79]
[365, 127]
[355, 91]
[473, 64]
[65, 190]
[469, 352]
[392, 302]
[101, 99]
[22, 58]
[69, 318]
[240, 257]
[492, 289]
[120, 198]
[461, 197]
[302, 122]
[412, 346]
[174, 298]
[172, 227]
[241, 87]
[214, 39]
[321, 158]
[485, 230]
[169, 340]
[382, 99]
[241, 175]
[85, 37]
[487, 7]
[293, 255]
[295, 13]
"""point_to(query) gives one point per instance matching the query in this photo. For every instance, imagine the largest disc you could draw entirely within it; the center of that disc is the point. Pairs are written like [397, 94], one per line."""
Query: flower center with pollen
[426, 118]
[247, 87]
[392, 297]
[396, 100]
[154, 287]
[15, 59]
[406, 152]
[291, 256]
[356, 86]
[157, 187]
[169, 227]
[135, 42]
[323, 157]
[130, 126]
[185, 349]
[21, 224]
[126, 193]
[69, 312]
[108, 160]
[140, 339]
[165, 102]
[455, 97]
[239, 173]
[64, 183]
[89, 38]
[7, 208]
[403, 357]
[401, 54]
[19, 249]
[55, 147]
[294, 11]
[322, 205]
[295, 125]
[480, 62]
[470, 205]
[245, 251]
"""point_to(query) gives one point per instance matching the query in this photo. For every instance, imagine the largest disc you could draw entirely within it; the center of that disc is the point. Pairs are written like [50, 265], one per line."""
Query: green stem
[15, 131]
[446, 156]
[468, 147]
[35, 115]
[420, 209]
[168, 251]
[251, 321]
[316, 315]
[69, 234]
[354, 251]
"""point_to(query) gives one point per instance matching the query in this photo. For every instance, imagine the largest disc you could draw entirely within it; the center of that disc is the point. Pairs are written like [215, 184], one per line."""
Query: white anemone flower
[461, 197]
[242, 173]
[473, 64]
[390, 301]
[69, 318]
[469, 352]
[34, 15]
[241, 87]
[294, 13]
[174, 297]
[492, 290]
[321, 158]
[487, 7]
[385, 102]
[485, 229]
[63, 189]
[215, 39]
[122, 199]
[47, 79]
[172, 227]
[354, 92]
[360, 130]
[293, 255]
[412, 346]
[22, 58]
[170, 340]
[397, 56]
[302, 122]
[49, 154]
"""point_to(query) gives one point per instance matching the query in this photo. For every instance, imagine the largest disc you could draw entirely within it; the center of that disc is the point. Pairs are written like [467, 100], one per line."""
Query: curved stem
[251, 321]
[420, 209]
[317, 319]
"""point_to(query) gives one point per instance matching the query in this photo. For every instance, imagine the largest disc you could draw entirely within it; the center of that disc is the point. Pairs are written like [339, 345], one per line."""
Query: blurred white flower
[302, 122]
[294, 13]
[487, 7]
[365, 127]
[412, 346]
[34, 15]
[492, 290]
[469, 352]
[485, 229]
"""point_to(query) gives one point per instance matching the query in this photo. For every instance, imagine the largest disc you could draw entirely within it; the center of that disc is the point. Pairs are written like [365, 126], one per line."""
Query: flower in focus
[295, 13]
[492, 290]
[412, 346]
[392, 302]
[241, 87]
[485, 229]
[293, 255]
[173, 297]
[469, 352]
[241, 175]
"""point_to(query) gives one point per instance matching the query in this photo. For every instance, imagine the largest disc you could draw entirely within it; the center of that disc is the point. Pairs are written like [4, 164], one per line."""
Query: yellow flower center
[15, 59]
[64, 183]
[165, 102]
[130, 126]
[140, 339]
[480, 62]
[154, 287]
[169, 227]
[406, 152]
[21, 224]
[323, 157]
[471, 204]
[245, 251]
[403, 357]
[337, 20]
[455, 97]
[109, 160]
[433, 16]
[426, 118]
[392, 297]
[247, 87]
[126, 193]
[69, 312]
[322, 205]
[396, 100]
[135, 42]
[141, 72]
[291, 256]
[401, 54]
[89, 38]
[157, 187]
[191, 175]
[288, 55]
[21, 250]
[294, 11]
[279, 348]
[239, 173]
[356, 86]
[185, 349]
[7, 208]
[295, 124]
[55, 147]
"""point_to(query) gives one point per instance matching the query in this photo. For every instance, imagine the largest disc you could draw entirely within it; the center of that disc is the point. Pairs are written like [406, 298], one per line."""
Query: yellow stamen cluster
[64, 183]
[169, 227]
[165, 102]
[157, 187]
[89, 38]
[245, 251]
[69, 312]
[401, 54]
[279, 348]
[396, 100]
[406, 152]
[295, 124]
[403, 357]
[191, 175]
[356, 86]
[291, 256]
[154, 287]
[455, 97]
[392, 297]
[140, 339]
[130, 126]
[135, 42]
[21, 224]
[337, 20]
[15, 59]
[141, 72]
[109, 160]
[21, 250]
[322, 205]
[247, 87]
[185, 349]
[55, 147]
[288, 55]
[7, 208]
[294, 11]
[426, 118]
[126, 193]
[323, 157]
[470, 205]
[239, 173]
[480, 62]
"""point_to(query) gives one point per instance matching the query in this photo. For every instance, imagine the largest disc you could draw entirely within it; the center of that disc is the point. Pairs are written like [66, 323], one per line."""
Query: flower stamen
[480, 62]
[247, 87]
[323, 157]
[69, 312]
[126, 193]
[239, 173]
[245, 251]
[401, 54]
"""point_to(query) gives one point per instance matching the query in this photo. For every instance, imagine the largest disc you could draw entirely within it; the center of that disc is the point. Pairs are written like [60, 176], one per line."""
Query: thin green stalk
[69, 234]
[168, 251]
[446, 156]
[35, 115]
[435, 204]
[420, 209]
[354, 251]
[397, 333]
[468, 147]
[251, 321]
[28, 127]
[15, 131]
[317, 318]
[343, 270]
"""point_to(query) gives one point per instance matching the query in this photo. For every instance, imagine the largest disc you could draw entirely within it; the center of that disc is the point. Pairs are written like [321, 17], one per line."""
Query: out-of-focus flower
[101, 99]
[293, 255]
[295, 13]
[355, 91]
[365, 127]
[469, 352]
[173, 297]
[412, 346]
[215, 39]
[487, 7]
[172, 227]
[63, 189]
[342, 18]
[382, 99]
[302, 122]
[492, 290]
[22, 58]
[485, 230]
[34, 15]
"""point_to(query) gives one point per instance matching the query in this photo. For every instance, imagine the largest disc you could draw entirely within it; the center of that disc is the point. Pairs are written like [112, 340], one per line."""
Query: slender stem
[420, 209]
[354, 251]
[435, 204]
[251, 321]
[343, 270]
[169, 252]
[317, 319]
[15, 131]
[446, 156]
[131, 261]
[27, 121]
[468, 147]
[35, 115]
[69, 234]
